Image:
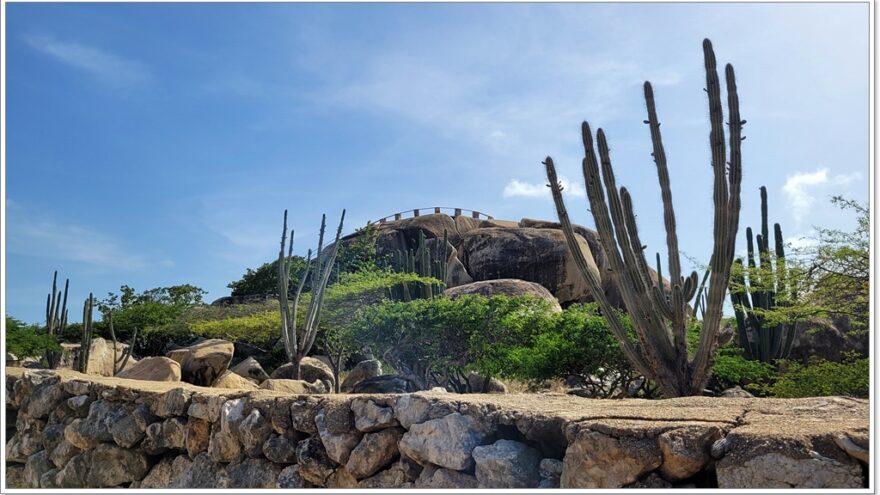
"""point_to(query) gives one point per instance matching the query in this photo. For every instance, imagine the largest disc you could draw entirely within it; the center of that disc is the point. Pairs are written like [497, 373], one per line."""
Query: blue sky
[158, 144]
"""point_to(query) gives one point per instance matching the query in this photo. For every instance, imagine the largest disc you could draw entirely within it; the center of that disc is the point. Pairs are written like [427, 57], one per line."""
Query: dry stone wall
[68, 430]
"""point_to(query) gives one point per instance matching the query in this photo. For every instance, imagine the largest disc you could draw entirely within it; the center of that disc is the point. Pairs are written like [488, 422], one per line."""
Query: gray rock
[48, 479]
[447, 442]
[778, 470]
[202, 363]
[369, 417]
[15, 476]
[63, 453]
[596, 460]
[36, 465]
[44, 400]
[206, 408]
[133, 427]
[253, 432]
[374, 452]
[290, 478]
[369, 368]
[314, 464]
[203, 473]
[337, 433]
[294, 387]
[167, 473]
[302, 415]
[164, 436]
[686, 451]
[280, 449]
[80, 405]
[479, 385]
[224, 446]
[550, 471]
[95, 428]
[51, 436]
[253, 473]
[394, 477]
[73, 474]
[113, 466]
[735, 393]
[385, 384]
[310, 370]
[507, 464]
[174, 402]
[432, 477]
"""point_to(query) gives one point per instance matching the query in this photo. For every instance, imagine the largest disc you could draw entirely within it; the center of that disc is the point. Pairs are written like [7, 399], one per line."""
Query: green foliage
[733, 369]
[574, 344]
[264, 280]
[850, 377]
[359, 253]
[24, 340]
[141, 316]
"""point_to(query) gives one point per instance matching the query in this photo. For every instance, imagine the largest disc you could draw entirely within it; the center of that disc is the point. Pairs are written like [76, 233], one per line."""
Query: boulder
[778, 470]
[386, 384]
[507, 464]
[393, 477]
[113, 466]
[510, 287]
[253, 433]
[202, 473]
[597, 460]
[132, 428]
[479, 385]
[446, 442]
[310, 369]
[296, 387]
[374, 452]
[100, 357]
[174, 402]
[166, 473]
[369, 417]
[534, 255]
[202, 363]
[735, 393]
[36, 465]
[197, 437]
[96, 427]
[164, 436]
[155, 369]
[250, 368]
[234, 381]
[369, 368]
[411, 409]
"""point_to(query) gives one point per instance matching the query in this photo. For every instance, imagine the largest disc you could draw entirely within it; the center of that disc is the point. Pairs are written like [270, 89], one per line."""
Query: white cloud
[106, 66]
[46, 239]
[800, 186]
[521, 189]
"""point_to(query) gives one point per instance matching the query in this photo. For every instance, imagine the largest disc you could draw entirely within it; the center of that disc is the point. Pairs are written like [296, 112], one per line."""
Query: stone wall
[69, 430]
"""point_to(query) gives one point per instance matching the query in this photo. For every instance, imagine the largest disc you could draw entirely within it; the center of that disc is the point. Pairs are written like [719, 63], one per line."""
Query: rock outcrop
[85, 431]
[202, 363]
[157, 369]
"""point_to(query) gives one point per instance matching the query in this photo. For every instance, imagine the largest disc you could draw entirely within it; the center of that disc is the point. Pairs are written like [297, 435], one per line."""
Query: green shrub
[733, 369]
[25, 340]
[851, 377]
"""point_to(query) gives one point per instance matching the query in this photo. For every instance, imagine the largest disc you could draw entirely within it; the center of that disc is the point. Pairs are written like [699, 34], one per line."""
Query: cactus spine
[658, 315]
[761, 287]
[298, 341]
[85, 343]
[56, 316]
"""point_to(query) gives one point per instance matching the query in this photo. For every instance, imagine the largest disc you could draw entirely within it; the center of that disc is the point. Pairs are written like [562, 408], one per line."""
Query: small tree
[298, 340]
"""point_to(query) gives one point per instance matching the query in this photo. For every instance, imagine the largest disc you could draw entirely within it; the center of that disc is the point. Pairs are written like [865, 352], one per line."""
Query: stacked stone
[73, 433]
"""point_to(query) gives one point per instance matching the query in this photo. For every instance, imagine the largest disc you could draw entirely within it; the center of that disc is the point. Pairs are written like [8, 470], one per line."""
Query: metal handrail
[433, 210]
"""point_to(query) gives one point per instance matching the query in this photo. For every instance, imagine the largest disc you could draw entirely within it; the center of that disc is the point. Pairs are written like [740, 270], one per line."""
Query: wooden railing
[456, 212]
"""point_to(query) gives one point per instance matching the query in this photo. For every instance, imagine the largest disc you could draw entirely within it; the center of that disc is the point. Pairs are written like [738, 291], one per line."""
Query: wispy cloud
[521, 189]
[799, 189]
[106, 66]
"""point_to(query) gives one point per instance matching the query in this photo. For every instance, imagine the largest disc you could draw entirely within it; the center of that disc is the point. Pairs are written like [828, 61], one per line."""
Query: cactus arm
[727, 206]
[590, 275]
[288, 327]
[312, 329]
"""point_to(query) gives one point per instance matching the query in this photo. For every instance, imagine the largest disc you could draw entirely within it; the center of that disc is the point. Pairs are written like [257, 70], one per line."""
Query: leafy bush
[850, 377]
[25, 340]
[733, 369]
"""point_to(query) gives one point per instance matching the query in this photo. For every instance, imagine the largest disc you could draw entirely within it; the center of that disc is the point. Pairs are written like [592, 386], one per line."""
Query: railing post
[415, 212]
[457, 212]
[436, 210]
[475, 214]
[382, 220]
[397, 216]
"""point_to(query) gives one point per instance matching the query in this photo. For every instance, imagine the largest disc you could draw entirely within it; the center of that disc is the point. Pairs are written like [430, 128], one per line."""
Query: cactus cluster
[762, 287]
[56, 316]
[299, 340]
[425, 262]
[659, 315]
[85, 343]
[119, 362]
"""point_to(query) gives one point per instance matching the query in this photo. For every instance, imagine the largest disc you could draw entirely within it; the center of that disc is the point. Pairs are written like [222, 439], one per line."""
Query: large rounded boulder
[506, 287]
[202, 363]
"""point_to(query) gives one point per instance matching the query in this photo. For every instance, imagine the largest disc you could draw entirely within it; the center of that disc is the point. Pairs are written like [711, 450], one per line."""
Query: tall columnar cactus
[659, 316]
[120, 361]
[762, 287]
[425, 262]
[56, 316]
[85, 345]
[298, 341]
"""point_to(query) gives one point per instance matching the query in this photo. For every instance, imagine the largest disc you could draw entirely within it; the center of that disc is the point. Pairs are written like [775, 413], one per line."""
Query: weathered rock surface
[290, 477]
[251, 369]
[507, 464]
[369, 417]
[478, 384]
[335, 428]
[374, 452]
[686, 451]
[289, 386]
[447, 442]
[506, 287]
[369, 368]
[202, 363]
[432, 477]
[156, 368]
[385, 384]
[597, 460]
[234, 381]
